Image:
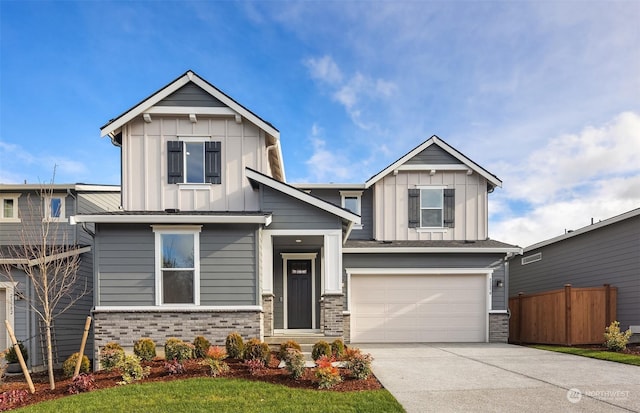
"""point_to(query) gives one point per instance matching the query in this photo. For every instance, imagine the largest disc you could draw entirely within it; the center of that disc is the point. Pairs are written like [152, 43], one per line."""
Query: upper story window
[194, 161]
[9, 205]
[54, 208]
[352, 200]
[431, 207]
[177, 265]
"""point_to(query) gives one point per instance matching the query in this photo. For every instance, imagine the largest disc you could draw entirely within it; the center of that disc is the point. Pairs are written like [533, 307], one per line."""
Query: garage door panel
[418, 308]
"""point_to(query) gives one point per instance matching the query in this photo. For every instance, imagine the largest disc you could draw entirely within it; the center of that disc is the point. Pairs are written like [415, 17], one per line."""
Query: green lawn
[219, 395]
[596, 354]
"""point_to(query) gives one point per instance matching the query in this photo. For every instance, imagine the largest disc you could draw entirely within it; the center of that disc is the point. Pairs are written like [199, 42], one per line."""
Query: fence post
[520, 317]
[607, 305]
[567, 313]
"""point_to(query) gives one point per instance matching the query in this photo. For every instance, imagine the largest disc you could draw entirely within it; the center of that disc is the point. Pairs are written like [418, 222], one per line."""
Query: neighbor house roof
[627, 215]
[17, 254]
[434, 140]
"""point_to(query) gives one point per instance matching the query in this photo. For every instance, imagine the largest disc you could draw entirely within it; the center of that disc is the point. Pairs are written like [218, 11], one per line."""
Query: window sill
[186, 186]
[439, 230]
[358, 226]
[55, 220]
[10, 220]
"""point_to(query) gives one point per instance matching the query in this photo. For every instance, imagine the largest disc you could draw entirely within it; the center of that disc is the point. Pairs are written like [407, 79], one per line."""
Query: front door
[299, 298]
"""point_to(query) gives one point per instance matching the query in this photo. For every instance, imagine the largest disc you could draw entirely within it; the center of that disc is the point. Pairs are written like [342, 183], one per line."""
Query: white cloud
[325, 165]
[568, 181]
[324, 69]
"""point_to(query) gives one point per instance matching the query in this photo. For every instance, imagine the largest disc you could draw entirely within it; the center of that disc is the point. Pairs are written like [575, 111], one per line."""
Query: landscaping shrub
[286, 346]
[254, 349]
[234, 345]
[81, 383]
[176, 349]
[214, 359]
[358, 364]
[216, 353]
[327, 374]
[337, 348]
[201, 345]
[132, 370]
[69, 365]
[111, 356]
[173, 367]
[145, 348]
[255, 366]
[12, 357]
[10, 398]
[294, 361]
[321, 348]
[615, 340]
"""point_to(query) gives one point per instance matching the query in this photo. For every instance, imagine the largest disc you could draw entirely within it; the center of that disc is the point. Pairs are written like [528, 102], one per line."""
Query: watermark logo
[574, 395]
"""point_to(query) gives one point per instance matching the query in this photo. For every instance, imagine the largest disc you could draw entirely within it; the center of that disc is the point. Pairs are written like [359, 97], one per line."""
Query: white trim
[431, 167]
[499, 312]
[190, 110]
[439, 230]
[160, 230]
[431, 141]
[9, 307]
[47, 208]
[15, 218]
[311, 186]
[434, 250]
[173, 219]
[441, 209]
[302, 196]
[308, 256]
[177, 308]
[609, 221]
[531, 258]
[35, 261]
[358, 196]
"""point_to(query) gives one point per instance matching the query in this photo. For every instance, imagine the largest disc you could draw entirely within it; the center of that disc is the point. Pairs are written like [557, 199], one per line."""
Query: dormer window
[194, 161]
[352, 200]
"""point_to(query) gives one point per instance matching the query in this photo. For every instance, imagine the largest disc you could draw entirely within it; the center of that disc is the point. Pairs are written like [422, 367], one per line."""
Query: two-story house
[25, 211]
[212, 239]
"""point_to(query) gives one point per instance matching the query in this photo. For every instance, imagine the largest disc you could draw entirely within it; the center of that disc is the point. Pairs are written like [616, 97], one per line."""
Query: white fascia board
[433, 250]
[417, 271]
[144, 106]
[49, 258]
[621, 217]
[474, 166]
[97, 188]
[437, 167]
[176, 308]
[329, 186]
[188, 110]
[302, 196]
[173, 219]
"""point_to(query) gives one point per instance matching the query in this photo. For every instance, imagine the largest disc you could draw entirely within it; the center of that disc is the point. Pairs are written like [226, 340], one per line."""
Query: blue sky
[546, 95]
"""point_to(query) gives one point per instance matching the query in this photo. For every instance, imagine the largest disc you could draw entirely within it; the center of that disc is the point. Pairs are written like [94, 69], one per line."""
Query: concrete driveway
[502, 378]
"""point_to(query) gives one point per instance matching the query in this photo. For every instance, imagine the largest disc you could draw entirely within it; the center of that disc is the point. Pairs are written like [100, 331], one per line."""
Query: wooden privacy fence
[565, 317]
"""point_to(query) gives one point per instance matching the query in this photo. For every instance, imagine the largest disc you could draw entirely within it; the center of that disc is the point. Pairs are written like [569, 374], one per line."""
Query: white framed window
[352, 200]
[177, 265]
[431, 208]
[54, 208]
[9, 208]
[194, 160]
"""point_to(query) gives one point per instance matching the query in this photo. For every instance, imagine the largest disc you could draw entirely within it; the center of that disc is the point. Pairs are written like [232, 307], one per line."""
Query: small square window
[9, 207]
[55, 208]
[352, 201]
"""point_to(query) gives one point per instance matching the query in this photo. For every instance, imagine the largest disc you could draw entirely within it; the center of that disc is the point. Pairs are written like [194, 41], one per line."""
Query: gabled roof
[434, 140]
[627, 215]
[296, 193]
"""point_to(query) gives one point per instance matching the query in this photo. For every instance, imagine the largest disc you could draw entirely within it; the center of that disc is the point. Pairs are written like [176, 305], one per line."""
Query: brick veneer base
[332, 322]
[127, 327]
[498, 328]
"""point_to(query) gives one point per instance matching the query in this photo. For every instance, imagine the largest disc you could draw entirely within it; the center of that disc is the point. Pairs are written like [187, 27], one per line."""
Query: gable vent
[531, 258]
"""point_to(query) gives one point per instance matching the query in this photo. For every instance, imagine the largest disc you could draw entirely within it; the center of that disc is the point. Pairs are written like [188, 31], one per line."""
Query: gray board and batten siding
[439, 260]
[191, 95]
[433, 155]
[126, 265]
[606, 255]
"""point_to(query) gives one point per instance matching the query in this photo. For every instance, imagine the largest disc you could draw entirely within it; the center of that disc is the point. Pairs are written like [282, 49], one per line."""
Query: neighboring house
[22, 208]
[211, 239]
[607, 252]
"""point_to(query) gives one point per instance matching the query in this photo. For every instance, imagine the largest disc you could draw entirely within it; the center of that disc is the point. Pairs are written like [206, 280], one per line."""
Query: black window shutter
[212, 163]
[414, 208]
[174, 162]
[449, 207]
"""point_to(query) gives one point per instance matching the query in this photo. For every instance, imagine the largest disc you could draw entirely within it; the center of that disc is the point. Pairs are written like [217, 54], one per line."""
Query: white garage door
[418, 308]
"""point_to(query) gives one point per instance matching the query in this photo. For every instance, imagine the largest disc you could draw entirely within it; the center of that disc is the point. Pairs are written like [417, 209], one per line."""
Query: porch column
[333, 263]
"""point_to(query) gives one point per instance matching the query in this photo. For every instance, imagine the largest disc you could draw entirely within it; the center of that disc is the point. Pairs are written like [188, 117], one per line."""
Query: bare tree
[47, 254]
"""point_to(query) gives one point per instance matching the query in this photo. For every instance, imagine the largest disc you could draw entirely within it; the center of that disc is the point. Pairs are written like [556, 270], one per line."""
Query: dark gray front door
[299, 293]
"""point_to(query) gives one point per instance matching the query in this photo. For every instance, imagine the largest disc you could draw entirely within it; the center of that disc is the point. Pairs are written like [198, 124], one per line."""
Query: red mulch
[193, 368]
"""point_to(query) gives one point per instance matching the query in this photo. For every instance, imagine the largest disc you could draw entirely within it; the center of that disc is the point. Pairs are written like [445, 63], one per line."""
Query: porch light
[499, 283]
[298, 241]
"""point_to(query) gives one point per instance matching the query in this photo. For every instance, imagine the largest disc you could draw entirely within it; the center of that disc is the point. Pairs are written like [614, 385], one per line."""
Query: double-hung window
[431, 207]
[194, 161]
[177, 265]
[9, 208]
[431, 202]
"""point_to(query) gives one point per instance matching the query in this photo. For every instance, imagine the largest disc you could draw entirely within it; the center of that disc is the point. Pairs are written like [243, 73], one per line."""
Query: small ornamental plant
[176, 349]
[234, 345]
[337, 348]
[358, 364]
[201, 345]
[11, 398]
[12, 357]
[132, 370]
[82, 383]
[111, 356]
[321, 348]
[173, 367]
[69, 365]
[145, 348]
[214, 359]
[255, 366]
[616, 340]
[255, 349]
[294, 362]
[282, 354]
[327, 374]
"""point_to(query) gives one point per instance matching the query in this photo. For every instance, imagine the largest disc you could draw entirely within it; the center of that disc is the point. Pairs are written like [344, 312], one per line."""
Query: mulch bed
[193, 368]
[631, 348]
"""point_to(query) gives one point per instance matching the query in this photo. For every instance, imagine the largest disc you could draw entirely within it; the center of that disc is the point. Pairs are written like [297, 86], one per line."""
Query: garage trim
[488, 273]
